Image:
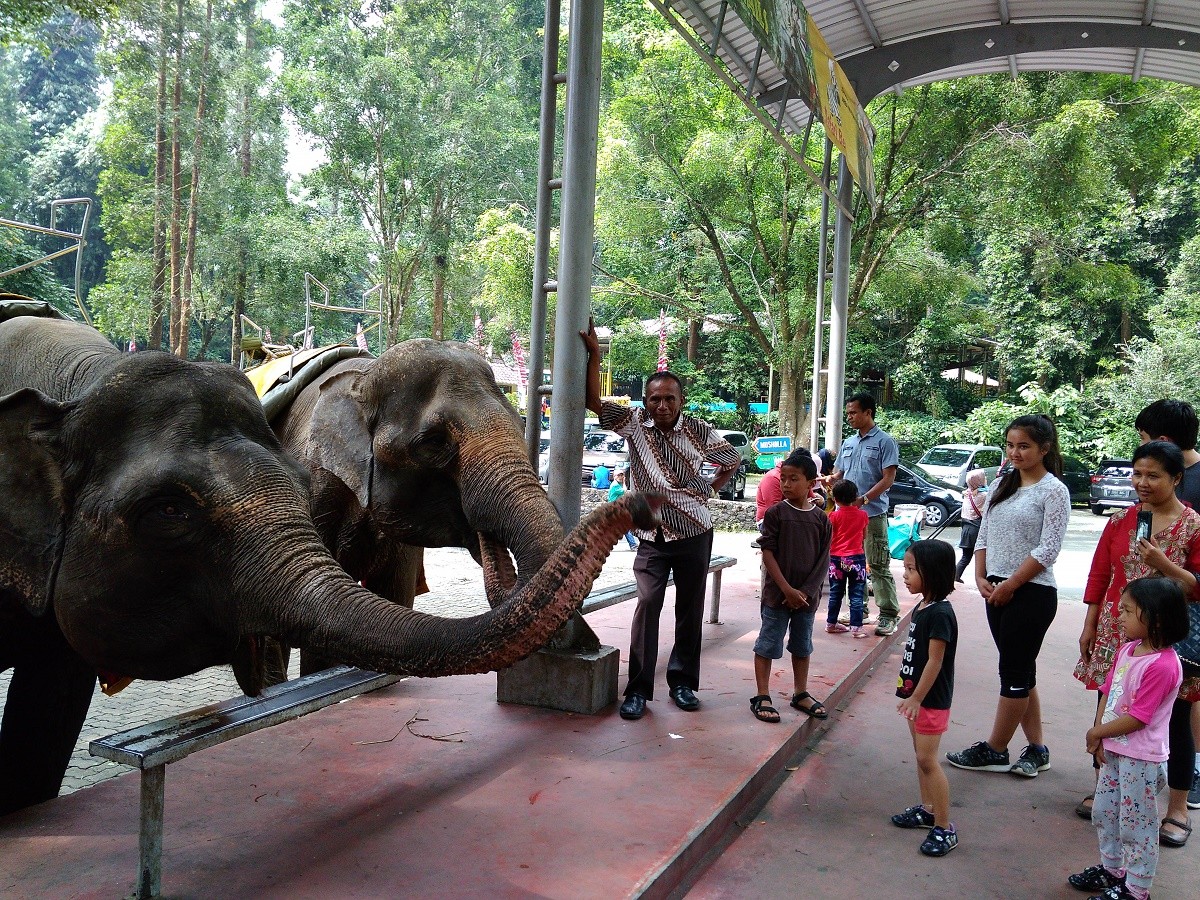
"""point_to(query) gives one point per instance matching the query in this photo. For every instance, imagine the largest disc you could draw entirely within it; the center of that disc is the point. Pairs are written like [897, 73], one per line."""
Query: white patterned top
[1032, 522]
[669, 463]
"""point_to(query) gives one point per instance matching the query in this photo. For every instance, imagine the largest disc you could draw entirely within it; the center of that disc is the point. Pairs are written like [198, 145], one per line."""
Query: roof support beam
[1148, 15]
[871, 74]
[1137, 63]
[1003, 12]
[868, 23]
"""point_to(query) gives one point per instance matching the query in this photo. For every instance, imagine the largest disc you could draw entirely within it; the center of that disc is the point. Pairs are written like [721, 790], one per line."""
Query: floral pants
[1125, 813]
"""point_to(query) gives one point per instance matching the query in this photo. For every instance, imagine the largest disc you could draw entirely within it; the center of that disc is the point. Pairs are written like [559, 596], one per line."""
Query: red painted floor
[520, 802]
[515, 802]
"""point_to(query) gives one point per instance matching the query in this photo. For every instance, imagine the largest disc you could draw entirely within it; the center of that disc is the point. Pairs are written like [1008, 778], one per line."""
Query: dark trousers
[656, 561]
[1181, 746]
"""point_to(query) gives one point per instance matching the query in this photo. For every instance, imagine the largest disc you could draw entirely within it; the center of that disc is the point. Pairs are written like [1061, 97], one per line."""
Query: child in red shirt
[847, 559]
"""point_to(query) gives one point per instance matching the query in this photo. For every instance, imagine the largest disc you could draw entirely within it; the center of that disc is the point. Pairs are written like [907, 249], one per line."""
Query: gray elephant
[419, 448]
[152, 525]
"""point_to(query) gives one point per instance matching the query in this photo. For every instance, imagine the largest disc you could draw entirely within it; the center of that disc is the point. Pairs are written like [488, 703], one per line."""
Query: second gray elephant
[420, 448]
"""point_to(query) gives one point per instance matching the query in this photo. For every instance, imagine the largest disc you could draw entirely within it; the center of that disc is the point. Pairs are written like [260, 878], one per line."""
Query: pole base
[573, 682]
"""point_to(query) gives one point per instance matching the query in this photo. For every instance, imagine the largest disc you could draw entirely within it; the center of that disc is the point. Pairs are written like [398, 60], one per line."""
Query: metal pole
[541, 247]
[814, 417]
[577, 229]
[151, 832]
[842, 234]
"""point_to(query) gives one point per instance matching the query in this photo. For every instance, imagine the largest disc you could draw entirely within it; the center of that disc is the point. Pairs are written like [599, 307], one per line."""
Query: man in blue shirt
[600, 478]
[869, 458]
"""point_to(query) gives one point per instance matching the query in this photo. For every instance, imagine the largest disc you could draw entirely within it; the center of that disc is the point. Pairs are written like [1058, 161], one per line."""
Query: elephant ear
[339, 439]
[32, 509]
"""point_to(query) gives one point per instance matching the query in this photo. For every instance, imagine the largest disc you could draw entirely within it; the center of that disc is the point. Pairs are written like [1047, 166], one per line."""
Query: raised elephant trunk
[337, 619]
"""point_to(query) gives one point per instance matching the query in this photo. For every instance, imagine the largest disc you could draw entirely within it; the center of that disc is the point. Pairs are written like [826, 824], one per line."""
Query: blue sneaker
[940, 841]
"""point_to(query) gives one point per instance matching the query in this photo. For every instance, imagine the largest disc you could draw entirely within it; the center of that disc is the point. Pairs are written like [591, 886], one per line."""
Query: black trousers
[656, 561]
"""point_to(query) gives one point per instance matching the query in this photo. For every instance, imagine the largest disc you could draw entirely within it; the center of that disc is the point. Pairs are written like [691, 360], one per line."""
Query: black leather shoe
[633, 707]
[685, 698]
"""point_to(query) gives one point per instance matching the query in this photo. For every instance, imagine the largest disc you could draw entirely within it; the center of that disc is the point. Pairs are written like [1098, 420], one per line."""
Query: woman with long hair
[1172, 550]
[1020, 536]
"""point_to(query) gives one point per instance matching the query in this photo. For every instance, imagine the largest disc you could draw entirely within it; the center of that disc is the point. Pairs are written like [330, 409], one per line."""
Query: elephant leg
[48, 700]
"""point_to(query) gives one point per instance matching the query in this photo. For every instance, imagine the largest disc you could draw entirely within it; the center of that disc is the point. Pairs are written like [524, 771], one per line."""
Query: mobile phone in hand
[1144, 519]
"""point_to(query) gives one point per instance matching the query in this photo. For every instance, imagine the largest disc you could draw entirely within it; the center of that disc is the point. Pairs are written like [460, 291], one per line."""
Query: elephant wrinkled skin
[152, 525]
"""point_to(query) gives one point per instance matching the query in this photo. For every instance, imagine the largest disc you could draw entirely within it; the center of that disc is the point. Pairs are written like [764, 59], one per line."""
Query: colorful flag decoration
[360, 338]
[519, 356]
[662, 340]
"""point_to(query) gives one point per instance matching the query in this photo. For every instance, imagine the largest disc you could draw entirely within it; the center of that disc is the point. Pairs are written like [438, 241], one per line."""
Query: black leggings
[1018, 629]
[1182, 760]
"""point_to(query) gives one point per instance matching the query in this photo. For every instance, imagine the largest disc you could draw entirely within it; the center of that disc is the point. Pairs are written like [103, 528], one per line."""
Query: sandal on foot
[1084, 809]
[816, 709]
[762, 708]
[1174, 840]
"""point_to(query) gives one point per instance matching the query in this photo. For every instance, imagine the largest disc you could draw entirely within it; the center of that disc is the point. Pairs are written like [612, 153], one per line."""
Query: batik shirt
[669, 463]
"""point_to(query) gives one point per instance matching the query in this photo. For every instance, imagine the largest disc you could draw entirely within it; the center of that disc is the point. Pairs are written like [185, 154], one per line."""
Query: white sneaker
[858, 631]
[844, 618]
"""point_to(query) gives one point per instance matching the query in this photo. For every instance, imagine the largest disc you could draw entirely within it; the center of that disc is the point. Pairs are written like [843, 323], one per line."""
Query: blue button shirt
[862, 460]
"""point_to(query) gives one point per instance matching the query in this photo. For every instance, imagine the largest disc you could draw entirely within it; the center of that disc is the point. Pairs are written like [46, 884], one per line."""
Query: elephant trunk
[507, 507]
[336, 619]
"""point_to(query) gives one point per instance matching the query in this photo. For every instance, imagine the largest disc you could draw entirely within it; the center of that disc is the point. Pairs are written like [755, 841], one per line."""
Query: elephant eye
[168, 517]
[432, 447]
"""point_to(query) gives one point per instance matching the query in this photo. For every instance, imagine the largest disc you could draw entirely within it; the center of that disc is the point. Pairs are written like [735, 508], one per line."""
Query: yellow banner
[791, 38]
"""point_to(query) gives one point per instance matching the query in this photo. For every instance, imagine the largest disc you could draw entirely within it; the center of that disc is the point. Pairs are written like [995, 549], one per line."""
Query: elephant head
[419, 447]
[152, 513]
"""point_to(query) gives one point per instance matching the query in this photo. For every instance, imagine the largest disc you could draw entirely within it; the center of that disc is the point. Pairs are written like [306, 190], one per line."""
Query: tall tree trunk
[189, 262]
[241, 279]
[176, 181]
[159, 270]
[441, 245]
[693, 344]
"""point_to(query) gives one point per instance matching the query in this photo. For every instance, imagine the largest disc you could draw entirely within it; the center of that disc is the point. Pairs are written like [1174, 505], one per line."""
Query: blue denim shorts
[778, 621]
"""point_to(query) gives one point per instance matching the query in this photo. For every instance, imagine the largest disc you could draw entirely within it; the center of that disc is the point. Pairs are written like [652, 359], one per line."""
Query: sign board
[791, 38]
[780, 444]
[767, 463]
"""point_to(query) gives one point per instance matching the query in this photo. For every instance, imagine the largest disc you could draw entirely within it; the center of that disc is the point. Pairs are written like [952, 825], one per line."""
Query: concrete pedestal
[573, 682]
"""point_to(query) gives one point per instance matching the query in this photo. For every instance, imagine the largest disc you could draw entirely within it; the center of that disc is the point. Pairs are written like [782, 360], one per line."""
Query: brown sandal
[762, 708]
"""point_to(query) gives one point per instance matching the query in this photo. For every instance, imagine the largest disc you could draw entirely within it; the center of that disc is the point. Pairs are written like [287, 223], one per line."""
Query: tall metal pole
[541, 248]
[577, 230]
[839, 312]
[814, 420]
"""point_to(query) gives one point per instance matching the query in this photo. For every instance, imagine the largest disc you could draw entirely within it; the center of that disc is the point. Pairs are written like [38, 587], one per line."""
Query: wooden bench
[610, 596]
[151, 747]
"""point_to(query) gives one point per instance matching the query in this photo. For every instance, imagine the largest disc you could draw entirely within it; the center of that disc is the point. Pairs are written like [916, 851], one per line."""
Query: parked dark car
[939, 499]
[1112, 486]
[1077, 476]
[735, 487]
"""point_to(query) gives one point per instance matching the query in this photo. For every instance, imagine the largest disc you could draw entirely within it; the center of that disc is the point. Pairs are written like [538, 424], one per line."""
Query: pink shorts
[932, 721]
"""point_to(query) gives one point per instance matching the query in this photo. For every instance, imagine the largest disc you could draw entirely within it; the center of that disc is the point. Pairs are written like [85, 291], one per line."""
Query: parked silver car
[1112, 486]
[951, 462]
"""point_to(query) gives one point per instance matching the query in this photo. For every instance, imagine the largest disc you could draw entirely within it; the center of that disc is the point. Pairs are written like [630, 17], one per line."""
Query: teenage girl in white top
[1024, 522]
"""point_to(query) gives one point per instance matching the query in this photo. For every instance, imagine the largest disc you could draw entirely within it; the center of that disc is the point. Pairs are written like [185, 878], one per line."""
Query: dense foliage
[1041, 231]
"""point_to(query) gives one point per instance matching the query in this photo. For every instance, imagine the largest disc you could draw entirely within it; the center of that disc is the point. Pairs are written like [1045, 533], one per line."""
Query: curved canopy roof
[894, 44]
